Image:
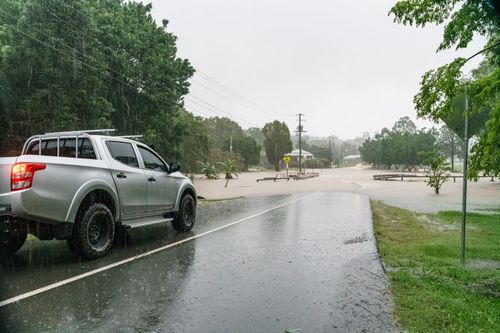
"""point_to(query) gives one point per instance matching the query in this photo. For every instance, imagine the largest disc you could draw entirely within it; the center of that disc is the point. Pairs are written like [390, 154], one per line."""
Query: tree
[404, 126]
[399, 147]
[222, 130]
[230, 169]
[247, 148]
[277, 142]
[256, 134]
[192, 139]
[440, 88]
[450, 144]
[208, 169]
[439, 172]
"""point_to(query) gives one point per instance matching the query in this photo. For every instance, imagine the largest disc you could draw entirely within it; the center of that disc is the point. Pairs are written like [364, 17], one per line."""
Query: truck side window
[67, 147]
[85, 149]
[151, 161]
[33, 148]
[49, 147]
[123, 152]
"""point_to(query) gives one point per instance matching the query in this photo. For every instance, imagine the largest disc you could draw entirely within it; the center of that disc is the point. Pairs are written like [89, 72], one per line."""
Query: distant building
[294, 155]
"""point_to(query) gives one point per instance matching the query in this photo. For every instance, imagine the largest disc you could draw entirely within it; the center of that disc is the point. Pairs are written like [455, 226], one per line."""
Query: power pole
[300, 130]
[231, 146]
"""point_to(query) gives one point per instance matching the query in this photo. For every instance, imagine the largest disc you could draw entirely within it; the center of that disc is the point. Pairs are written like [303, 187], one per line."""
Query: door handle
[151, 179]
[121, 175]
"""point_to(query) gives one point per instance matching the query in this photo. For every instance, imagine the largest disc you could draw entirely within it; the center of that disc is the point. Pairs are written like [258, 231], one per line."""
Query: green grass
[432, 291]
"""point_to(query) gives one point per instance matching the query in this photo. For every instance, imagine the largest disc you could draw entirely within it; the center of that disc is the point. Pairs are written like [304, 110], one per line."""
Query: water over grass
[432, 291]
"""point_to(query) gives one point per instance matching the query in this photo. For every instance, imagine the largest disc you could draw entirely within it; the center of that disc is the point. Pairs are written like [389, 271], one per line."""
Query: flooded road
[302, 262]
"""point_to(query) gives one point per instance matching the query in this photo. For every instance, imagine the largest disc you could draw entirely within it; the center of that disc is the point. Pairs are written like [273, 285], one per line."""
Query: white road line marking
[139, 256]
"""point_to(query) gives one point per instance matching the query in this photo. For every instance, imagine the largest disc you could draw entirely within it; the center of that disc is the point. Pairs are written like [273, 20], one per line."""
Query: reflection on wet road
[310, 265]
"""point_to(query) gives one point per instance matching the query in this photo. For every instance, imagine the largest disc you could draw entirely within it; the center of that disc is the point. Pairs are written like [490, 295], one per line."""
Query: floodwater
[302, 262]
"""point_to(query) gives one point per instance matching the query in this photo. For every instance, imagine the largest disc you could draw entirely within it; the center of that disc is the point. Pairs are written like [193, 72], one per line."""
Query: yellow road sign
[286, 159]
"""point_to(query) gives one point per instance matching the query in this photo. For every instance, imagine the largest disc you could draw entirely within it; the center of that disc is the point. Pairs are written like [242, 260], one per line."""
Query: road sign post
[286, 159]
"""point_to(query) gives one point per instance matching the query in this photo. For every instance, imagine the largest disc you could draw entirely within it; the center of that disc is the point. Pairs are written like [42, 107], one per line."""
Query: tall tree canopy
[221, 130]
[88, 64]
[450, 144]
[277, 142]
[440, 87]
[228, 136]
[399, 147]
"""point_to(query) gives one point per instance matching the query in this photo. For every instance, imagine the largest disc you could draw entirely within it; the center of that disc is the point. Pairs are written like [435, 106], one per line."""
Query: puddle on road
[359, 239]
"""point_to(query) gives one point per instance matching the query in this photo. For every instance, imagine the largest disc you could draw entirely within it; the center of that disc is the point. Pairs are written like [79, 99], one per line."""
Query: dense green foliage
[440, 88]
[229, 137]
[208, 169]
[463, 18]
[89, 64]
[277, 142]
[432, 291]
[399, 147]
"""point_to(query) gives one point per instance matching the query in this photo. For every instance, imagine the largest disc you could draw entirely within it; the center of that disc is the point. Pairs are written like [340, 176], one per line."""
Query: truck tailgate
[5, 166]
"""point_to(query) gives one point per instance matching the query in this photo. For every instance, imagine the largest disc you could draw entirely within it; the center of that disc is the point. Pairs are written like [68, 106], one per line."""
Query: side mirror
[174, 167]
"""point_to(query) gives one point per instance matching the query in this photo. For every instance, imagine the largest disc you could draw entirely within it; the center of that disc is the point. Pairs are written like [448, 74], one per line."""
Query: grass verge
[432, 291]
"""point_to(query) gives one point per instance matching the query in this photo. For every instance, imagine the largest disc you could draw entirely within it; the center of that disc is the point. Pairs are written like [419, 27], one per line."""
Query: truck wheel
[184, 219]
[14, 234]
[93, 233]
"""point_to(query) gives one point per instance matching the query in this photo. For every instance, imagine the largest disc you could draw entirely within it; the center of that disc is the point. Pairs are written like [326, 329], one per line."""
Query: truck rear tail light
[21, 175]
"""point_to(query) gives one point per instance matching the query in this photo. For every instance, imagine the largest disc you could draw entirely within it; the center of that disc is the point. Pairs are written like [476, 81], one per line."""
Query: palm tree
[209, 170]
[230, 169]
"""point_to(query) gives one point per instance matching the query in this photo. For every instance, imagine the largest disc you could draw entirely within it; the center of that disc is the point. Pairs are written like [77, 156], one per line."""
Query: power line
[215, 108]
[230, 98]
[242, 100]
[236, 94]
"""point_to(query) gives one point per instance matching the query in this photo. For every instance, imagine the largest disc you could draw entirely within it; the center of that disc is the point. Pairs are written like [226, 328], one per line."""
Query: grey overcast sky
[344, 64]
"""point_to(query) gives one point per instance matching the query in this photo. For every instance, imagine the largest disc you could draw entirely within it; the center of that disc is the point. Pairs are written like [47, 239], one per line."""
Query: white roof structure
[352, 157]
[295, 153]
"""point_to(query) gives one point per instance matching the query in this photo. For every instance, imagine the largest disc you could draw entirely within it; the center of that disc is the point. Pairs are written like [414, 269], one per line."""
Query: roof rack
[129, 136]
[84, 133]
[106, 130]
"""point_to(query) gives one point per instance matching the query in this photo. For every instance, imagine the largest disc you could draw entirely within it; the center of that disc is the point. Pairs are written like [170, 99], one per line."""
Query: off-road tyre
[93, 232]
[14, 234]
[186, 216]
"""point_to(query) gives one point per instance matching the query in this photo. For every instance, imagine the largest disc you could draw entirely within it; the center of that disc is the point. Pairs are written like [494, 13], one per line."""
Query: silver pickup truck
[82, 187]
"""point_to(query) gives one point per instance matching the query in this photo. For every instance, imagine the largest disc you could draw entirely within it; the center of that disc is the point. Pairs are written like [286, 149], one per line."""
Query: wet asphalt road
[310, 266]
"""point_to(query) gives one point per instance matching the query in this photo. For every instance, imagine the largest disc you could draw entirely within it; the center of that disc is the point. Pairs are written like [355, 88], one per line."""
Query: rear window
[123, 152]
